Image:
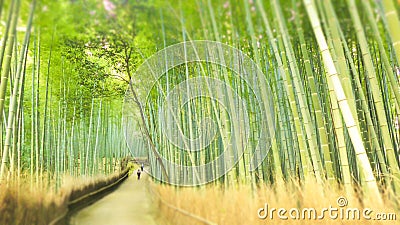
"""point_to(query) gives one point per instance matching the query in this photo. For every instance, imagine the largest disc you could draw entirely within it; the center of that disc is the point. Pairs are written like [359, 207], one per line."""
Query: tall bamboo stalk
[332, 74]
[16, 86]
[393, 25]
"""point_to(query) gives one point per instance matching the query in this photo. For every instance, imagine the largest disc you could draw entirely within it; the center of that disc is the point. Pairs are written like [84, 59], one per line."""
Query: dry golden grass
[39, 203]
[239, 205]
[21, 204]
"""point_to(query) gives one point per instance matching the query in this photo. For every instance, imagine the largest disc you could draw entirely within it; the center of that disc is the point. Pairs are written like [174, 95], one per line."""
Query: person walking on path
[142, 167]
[138, 174]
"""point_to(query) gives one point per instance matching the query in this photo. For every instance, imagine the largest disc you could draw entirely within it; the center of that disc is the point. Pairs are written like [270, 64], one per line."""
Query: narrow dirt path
[129, 204]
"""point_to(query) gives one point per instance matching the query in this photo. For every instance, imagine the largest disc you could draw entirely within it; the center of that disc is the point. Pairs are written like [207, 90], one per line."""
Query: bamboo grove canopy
[315, 95]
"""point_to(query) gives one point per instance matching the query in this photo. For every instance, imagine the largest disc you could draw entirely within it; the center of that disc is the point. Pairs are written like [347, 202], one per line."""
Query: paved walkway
[129, 204]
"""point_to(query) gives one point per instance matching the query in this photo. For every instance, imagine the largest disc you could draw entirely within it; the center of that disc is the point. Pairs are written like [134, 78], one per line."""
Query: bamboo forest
[177, 112]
